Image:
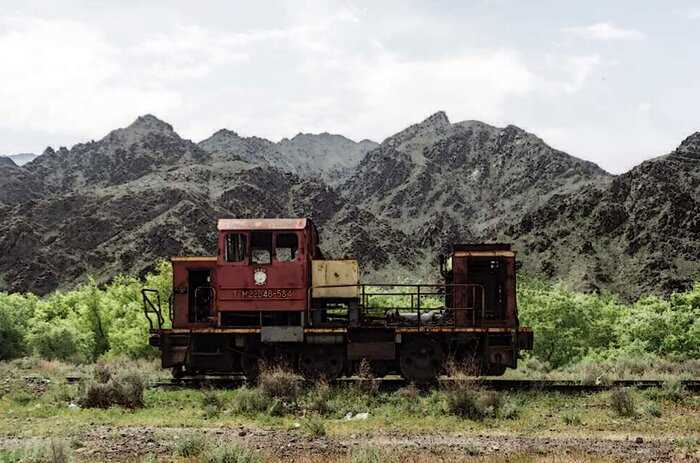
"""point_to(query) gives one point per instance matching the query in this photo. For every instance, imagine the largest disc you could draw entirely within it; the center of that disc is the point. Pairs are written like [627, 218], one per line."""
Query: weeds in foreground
[652, 409]
[622, 402]
[368, 384]
[51, 452]
[465, 403]
[191, 446]
[313, 426]
[212, 404]
[367, 455]
[673, 390]
[227, 453]
[279, 382]
[317, 399]
[571, 419]
[250, 401]
[124, 389]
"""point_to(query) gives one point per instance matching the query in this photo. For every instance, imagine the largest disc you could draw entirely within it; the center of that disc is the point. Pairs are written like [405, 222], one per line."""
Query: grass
[320, 411]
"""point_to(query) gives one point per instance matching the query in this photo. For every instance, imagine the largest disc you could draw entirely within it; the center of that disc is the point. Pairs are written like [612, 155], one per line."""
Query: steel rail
[388, 384]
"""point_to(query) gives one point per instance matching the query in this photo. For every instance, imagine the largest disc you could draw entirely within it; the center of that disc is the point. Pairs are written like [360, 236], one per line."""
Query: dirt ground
[120, 444]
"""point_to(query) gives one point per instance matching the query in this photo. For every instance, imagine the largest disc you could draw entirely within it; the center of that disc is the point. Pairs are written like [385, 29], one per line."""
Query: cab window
[261, 247]
[286, 247]
[235, 247]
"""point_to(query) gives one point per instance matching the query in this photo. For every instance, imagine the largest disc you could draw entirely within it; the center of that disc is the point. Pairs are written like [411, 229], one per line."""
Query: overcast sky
[612, 82]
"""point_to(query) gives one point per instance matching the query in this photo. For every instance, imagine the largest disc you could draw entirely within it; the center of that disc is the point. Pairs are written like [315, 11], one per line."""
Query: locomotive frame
[269, 295]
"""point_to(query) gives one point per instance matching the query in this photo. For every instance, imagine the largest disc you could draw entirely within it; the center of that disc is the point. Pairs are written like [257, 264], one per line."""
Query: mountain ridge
[143, 192]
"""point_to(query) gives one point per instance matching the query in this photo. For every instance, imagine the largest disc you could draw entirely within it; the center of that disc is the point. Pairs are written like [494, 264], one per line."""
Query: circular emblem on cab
[260, 276]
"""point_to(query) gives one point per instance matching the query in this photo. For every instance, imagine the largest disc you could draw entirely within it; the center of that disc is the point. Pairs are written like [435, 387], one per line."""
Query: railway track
[389, 384]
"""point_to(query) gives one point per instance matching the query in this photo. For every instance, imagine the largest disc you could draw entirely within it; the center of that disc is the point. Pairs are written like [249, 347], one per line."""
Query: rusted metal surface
[335, 278]
[262, 224]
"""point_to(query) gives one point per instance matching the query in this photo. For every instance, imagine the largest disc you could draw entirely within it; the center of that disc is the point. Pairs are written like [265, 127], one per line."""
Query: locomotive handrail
[154, 309]
[420, 291]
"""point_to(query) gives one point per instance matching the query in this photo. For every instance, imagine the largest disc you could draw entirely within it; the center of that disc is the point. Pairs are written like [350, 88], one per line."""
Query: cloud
[580, 69]
[61, 76]
[604, 31]
[694, 13]
[474, 84]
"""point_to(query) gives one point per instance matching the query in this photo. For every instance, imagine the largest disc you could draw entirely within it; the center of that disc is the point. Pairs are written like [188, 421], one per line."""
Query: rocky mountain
[142, 192]
[19, 159]
[329, 157]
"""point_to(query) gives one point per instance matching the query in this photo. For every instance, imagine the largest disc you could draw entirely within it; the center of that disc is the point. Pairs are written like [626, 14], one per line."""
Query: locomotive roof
[262, 224]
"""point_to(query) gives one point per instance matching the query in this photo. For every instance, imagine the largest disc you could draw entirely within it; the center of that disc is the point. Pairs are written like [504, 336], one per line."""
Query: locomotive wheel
[326, 363]
[421, 360]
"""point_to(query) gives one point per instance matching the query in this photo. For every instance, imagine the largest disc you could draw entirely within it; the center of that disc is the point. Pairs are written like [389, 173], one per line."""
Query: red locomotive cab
[263, 271]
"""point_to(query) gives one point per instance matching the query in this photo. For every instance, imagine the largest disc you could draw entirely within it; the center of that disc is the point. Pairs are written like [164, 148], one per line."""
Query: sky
[614, 82]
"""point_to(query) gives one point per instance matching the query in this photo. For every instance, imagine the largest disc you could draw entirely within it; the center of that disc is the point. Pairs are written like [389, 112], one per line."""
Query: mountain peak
[150, 123]
[690, 147]
[6, 161]
[439, 119]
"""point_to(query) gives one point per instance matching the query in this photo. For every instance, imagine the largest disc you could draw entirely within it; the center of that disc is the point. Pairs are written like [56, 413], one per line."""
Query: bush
[571, 419]
[230, 454]
[673, 390]
[465, 403]
[318, 398]
[212, 404]
[368, 384]
[409, 392]
[191, 446]
[313, 426]
[367, 455]
[280, 383]
[52, 452]
[652, 409]
[124, 389]
[622, 402]
[60, 340]
[509, 411]
[492, 401]
[250, 401]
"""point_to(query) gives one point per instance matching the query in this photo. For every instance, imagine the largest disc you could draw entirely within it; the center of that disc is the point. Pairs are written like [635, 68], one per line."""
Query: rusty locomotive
[270, 294]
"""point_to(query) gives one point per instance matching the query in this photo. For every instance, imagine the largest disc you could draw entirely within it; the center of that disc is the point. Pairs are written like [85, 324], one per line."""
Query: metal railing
[150, 308]
[406, 303]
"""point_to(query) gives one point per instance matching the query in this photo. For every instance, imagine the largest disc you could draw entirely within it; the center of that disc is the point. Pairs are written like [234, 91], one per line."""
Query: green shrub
[571, 419]
[313, 426]
[60, 340]
[652, 409]
[191, 446]
[280, 383]
[52, 452]
[409, 392]
[22, 397]
[226, 453]
[250, 401]
[367, 455]
[622, 402]
[673, 390]
[465, 403]
[124, 389]
[318, 398]
[510, 410]
[491, 401]
[212, 404]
